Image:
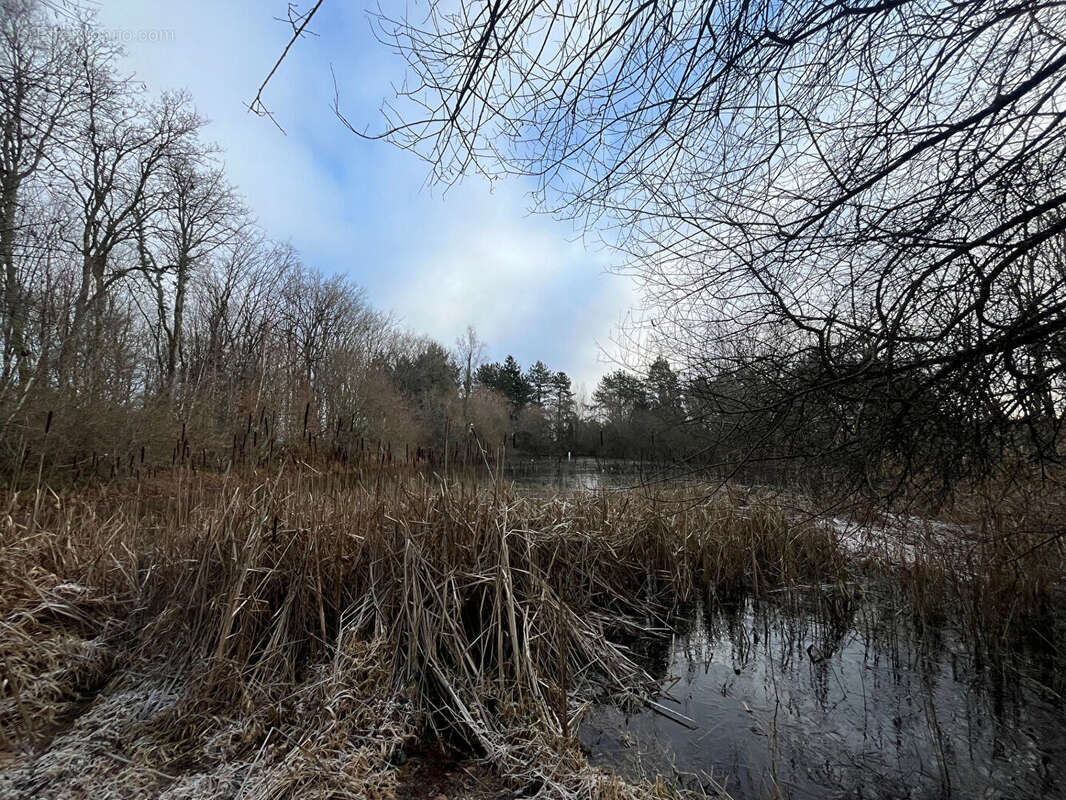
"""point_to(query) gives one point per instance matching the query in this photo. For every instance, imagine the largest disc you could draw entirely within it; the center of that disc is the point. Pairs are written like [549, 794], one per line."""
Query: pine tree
[562, 411]
[507, 379]
[664, 389]
[514, 383]
[619, 395]
[539, 379]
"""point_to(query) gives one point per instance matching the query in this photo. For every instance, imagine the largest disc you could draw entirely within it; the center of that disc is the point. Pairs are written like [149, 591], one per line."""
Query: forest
[148, 318]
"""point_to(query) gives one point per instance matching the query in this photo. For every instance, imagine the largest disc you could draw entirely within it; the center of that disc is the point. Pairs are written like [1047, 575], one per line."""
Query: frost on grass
[299, 635]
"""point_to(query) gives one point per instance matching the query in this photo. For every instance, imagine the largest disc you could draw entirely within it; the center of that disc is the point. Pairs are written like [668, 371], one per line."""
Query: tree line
[146, 318]
[847, 218]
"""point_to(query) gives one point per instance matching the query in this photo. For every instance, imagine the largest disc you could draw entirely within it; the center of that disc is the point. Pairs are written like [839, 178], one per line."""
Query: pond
[585, 474]
[776, 702]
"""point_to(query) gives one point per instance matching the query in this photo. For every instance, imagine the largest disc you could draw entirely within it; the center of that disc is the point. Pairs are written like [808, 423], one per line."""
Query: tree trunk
[13, 306]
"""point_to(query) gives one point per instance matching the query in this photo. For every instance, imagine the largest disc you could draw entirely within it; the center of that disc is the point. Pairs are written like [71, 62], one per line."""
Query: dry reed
[296, 634]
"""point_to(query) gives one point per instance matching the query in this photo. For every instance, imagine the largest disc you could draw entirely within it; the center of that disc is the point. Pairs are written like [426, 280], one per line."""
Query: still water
[786, 704]
[585, 474]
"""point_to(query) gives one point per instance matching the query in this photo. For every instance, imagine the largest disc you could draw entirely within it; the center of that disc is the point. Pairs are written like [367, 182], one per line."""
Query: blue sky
[438, 258]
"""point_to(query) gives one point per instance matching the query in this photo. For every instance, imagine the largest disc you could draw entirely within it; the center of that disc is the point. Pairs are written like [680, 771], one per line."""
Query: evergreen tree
[562, 410]
[619, 395]
[488, 375]
[431, 371]
[515, 386]
[664, 389]
[507, 379]
[539, 379]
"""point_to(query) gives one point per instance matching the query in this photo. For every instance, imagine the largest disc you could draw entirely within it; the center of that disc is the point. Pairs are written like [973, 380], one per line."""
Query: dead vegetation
[302, 633]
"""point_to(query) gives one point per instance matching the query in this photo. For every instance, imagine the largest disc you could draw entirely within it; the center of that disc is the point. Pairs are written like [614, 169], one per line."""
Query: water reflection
[583, 474]
[858, 703]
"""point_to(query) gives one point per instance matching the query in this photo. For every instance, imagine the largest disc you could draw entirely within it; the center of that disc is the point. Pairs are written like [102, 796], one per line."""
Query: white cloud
[440, 260]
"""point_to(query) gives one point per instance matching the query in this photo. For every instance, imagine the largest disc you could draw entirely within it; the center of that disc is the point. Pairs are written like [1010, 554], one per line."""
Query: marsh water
[586, 474]
[818, 696]
[772, 700]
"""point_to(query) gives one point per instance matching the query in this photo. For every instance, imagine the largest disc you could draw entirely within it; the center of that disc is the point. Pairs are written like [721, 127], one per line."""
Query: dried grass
[295, 635]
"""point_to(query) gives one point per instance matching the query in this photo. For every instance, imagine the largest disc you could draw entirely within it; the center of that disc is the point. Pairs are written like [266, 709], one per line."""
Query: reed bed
[298, 634]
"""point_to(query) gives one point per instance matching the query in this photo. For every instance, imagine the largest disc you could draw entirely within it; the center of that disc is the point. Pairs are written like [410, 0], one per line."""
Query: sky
[438, 258]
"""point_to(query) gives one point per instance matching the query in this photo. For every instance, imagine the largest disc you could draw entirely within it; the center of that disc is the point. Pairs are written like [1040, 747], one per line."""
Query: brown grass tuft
[298, 634]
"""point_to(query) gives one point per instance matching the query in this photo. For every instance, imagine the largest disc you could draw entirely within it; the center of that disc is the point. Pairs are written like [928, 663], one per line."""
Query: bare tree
[38, 91]
[199, 213]
[142, 309]
[111, 169]
[235, 303]
[850, 208]
[469, 350]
